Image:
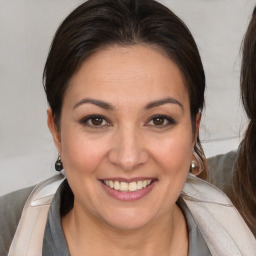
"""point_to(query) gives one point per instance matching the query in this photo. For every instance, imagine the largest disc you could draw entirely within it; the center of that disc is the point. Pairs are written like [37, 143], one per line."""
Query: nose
[128, 150]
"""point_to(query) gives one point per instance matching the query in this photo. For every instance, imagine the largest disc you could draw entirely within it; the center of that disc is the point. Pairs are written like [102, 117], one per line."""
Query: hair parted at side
[96, 24]
[245, 168]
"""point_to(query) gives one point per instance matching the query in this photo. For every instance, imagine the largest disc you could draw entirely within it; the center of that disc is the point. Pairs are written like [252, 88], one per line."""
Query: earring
[58, 164]
[196, 165]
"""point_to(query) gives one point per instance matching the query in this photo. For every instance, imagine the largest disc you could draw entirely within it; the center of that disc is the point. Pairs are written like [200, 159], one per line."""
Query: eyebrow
[161, 102]
[108, 106]
[98, 103]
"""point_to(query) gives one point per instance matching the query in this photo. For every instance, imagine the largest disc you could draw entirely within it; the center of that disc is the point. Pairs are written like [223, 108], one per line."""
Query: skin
[129, 143]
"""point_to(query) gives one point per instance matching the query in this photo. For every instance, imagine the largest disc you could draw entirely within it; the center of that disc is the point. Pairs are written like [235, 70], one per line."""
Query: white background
[27, 153]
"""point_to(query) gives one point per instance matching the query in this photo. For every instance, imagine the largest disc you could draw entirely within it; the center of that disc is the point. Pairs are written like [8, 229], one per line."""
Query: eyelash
[85, 121]
[170, 121]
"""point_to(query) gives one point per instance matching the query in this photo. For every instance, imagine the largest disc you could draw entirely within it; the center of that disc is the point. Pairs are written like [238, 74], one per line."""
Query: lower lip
[128, 196]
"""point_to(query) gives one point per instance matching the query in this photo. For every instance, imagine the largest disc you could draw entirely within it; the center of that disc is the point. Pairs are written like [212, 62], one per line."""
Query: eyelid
[170, 120]
[84, 120]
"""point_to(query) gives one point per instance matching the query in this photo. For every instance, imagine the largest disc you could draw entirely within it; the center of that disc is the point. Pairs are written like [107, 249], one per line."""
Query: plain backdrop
[27, 153]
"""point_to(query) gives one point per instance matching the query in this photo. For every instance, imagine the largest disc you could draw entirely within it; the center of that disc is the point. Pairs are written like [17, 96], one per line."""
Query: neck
[86, 235]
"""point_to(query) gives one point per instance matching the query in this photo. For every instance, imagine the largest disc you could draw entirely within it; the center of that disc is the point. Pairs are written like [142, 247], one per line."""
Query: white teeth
[111, 183]
[125, 186]
[132, 186]
[116, 185]
[139, 184]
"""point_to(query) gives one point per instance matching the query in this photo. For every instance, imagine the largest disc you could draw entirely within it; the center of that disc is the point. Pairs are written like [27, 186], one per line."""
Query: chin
[127, 220]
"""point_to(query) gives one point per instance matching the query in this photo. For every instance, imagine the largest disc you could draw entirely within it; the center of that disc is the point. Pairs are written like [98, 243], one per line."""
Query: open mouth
[123, 186]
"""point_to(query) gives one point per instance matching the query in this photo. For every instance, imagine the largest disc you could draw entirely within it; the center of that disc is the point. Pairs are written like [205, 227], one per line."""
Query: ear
[197, 126]
[53, 129]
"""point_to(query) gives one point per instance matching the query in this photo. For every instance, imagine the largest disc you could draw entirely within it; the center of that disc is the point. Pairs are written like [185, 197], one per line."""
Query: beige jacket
[222, 227]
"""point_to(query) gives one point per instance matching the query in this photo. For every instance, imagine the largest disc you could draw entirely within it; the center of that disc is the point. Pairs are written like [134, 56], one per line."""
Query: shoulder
[221, 169]
[222, 227]
[30, 219]
[11, 206]
[222, 160]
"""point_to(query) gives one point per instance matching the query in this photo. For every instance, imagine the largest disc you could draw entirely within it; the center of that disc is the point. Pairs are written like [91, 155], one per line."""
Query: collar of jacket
[202, 191]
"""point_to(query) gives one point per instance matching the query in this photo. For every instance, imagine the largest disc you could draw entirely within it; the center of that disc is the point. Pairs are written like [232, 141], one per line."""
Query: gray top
[54, 240]
[221, 169]
[11, 206]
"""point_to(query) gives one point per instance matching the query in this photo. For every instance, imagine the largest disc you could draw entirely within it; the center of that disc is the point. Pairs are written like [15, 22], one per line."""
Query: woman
[234, 172]
[125, 86]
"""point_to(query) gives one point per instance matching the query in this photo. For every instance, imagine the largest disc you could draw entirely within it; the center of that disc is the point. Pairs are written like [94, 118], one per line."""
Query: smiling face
[126, 136]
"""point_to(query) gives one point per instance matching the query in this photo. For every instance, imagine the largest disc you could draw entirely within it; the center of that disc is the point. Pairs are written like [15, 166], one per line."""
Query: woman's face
[126, 136]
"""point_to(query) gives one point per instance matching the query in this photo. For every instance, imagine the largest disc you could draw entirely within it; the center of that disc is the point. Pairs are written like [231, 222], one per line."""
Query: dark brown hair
[245, 167]
[99, 23]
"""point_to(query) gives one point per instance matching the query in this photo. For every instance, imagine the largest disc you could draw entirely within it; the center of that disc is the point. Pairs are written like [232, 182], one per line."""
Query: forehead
[135, 73]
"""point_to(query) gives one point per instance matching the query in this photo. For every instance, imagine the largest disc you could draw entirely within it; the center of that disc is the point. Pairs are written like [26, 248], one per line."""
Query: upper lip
[135, 179]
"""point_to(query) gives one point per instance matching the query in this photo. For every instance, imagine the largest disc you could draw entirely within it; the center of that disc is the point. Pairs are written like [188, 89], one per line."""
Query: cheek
[174, 153]
[80, 153]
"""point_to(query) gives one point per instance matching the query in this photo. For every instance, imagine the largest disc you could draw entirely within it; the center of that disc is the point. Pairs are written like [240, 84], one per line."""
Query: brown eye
[158, 120]
[97, 120]
[161, 121]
